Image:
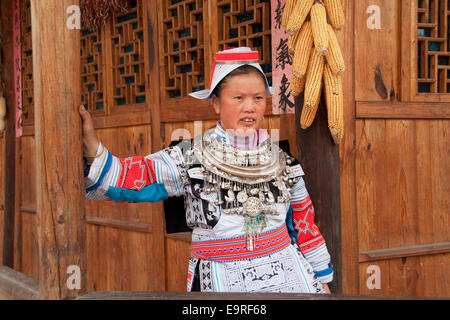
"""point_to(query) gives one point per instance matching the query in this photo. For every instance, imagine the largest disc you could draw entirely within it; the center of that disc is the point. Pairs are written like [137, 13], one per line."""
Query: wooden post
[10, 135]
[319, 157]
[60, 186]
[151, 55]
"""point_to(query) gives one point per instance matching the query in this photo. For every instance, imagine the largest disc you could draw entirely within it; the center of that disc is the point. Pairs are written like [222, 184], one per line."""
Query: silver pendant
[242, 196]
[252, 207]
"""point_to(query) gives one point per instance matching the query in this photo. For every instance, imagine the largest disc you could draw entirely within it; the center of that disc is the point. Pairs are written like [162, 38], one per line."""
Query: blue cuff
[152, 193]
[325, 275]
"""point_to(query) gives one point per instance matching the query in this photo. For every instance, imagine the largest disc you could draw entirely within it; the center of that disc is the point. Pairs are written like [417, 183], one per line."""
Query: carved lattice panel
[182, 24]
[27, 62]
[92, 95]
[128, 69]
[433, 46]
[247, 23]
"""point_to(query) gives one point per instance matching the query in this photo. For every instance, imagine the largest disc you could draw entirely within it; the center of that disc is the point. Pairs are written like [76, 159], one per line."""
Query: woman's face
[242, 103]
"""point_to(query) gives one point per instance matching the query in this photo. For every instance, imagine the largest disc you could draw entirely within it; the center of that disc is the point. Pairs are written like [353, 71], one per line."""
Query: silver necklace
[244, 180]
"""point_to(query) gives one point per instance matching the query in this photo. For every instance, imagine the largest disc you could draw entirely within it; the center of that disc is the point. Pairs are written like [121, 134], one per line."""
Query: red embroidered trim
[232, 56]
[237, 56]
[236, 248]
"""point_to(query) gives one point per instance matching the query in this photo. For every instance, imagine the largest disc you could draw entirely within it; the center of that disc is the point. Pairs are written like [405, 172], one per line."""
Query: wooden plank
[408, 51]
[196, 110]
[60, 202]
[401, 183]
[409, 276]
[371, 193]
[401, 196]
[178, 252]
[17, 286]
[347, 154]
[230, 296]
[26, 247]
[181, 236]
[120, 224]
[406, 251]
[120, 260]
[122, 119]
[376, 52]
[153, 81]
[401, 110]
[27, 252]
[10, 135]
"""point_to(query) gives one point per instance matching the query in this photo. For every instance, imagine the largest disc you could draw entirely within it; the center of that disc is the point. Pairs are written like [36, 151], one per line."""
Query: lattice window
[128, 56]
[27, 63]
[247, 23]
[183, 47]
[433, 46]
[91, 70]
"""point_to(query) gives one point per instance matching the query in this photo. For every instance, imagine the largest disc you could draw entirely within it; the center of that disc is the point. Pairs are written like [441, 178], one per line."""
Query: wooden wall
[401, 152]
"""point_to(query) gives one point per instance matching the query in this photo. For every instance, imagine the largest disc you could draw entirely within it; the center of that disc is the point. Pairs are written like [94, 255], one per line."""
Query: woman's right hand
[90, 141]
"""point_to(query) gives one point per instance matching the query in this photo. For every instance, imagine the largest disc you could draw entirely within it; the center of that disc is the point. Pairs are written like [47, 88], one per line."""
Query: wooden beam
[16, 285]
[402, 252]
[153, 82]
[319, 157]
[120, 224]
[59, 169]
[349, 221]
[10, 134]
[401, 110]
[223, 296]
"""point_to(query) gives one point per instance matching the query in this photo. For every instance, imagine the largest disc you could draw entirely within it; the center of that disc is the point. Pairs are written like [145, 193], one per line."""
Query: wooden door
[402, 93]
[125, 242]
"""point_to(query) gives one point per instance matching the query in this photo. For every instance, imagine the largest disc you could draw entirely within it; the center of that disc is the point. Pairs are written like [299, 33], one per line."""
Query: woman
[252, 218]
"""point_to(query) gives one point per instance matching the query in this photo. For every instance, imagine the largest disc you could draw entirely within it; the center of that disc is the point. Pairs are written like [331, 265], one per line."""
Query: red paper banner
[282, 100]
[17, 66]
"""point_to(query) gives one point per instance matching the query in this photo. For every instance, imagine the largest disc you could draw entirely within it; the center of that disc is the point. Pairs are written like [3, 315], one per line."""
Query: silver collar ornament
[242, 179]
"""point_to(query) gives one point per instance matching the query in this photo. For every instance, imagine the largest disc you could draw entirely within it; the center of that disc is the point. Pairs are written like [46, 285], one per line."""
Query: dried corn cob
[292, 40]
[303, 49]
[334, 56]
[287, 12]
[319, 27]
[335, 103]
[313, 88]
[297, 85]
[335, 13]
[298, 16]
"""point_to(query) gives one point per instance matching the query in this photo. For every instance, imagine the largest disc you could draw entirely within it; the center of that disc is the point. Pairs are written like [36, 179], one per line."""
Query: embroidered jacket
[163, 174]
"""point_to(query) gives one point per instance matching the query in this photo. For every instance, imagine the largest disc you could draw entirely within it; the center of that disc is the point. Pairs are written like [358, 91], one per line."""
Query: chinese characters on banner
[282, 100]
[17, 67]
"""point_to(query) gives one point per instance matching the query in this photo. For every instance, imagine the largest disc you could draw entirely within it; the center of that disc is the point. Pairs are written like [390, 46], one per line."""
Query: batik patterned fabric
[299, 265]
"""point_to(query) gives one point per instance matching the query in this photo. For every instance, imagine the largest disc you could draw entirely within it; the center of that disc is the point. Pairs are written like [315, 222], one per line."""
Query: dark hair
[245, 69]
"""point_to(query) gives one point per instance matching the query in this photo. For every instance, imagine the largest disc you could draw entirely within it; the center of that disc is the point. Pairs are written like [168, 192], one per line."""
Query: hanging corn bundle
[95, 13]
[317, 59]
